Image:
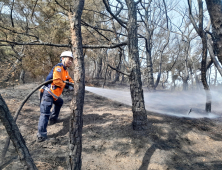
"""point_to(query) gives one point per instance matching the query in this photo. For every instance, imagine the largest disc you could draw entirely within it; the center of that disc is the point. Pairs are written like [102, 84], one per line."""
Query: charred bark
[204, 58]
[151, 85]
[76, 122]
[215, 10]
[22, 77]
[118, 67]
[138, 107]
[16, 137]
[163, 48]
[99, 66]
[185, 83]
[148, 44]
[199, 29]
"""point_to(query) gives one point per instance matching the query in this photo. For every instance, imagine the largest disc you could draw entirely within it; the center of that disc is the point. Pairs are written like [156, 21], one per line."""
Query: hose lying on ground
[20, 108]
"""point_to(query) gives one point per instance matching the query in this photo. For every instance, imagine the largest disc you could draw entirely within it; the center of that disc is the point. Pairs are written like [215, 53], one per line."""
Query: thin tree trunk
[204, 58]
[186, 76]
[162, 50]
[138, 107]
[22, 77]
[76, 122]
[215, 79]
[203, 36]
[118, 67]
[215, 10]
[99, 66]
[151, 85]
[94, 70]
[120, 53]
[16, 137]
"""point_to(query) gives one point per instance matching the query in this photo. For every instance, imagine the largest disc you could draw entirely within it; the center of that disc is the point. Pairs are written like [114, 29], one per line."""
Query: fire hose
[5, 149]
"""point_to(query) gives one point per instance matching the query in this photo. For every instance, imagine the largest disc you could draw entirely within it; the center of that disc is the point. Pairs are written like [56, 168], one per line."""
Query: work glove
[71, 88]
[67, 86]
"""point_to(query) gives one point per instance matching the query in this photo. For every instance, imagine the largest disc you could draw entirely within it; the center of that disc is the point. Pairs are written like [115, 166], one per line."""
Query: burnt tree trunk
[204, 58]
[163, 48]
[99, 64]
[151, 85]
[118, 67]
[22, 77]
[185, 83]
[215, 10]
[203, 73]
[185, 78]
[15, 136]
[199, 29]
[76, 122]
[149, 28]
[138, 107]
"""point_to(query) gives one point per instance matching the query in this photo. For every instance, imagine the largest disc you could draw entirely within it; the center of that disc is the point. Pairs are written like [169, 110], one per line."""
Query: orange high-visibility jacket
[58, 74]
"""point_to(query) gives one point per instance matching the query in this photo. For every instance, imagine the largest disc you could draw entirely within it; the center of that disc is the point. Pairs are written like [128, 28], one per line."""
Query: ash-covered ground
[109, 143]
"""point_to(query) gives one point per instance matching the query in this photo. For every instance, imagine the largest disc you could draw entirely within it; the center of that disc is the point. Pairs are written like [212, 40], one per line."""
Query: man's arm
[57, 77]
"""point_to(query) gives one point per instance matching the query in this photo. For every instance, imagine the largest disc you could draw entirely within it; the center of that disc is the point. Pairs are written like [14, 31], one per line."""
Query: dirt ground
[109, 143]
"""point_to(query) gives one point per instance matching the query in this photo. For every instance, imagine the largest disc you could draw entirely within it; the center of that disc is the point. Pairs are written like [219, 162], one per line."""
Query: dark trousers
[45, 107]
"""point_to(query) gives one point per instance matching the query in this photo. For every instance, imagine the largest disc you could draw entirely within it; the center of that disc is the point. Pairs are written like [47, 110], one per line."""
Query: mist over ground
[183, 104]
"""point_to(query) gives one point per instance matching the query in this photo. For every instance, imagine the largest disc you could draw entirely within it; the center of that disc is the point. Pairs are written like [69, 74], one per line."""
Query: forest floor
[109, 143]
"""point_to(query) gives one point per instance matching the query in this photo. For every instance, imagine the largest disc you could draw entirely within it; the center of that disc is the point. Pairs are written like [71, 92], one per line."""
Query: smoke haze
[183, 104]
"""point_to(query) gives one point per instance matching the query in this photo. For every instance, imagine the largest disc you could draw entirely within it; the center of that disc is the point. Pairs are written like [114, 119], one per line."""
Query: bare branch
[33, 43]
[19, 32]
[63, 45]
[34, 8]
[61, 5]
[191, 16]
[12, 12]
[95, 28]
[96, 12]
[114, 16]
[209, 64]
[102, 29]
[120, 9]
[168, 33]
[118, 70]
[137, 2]
[105, 46]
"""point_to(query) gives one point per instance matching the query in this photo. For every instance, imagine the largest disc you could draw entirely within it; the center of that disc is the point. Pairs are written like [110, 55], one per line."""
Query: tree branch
[61, 5]
[34, 8]
[137, 2]
[191, 16]
[11, 13]
[106, 46]
[62, 45]
[33, 43]
[19, 32]
[118, 70]
[102, 29]
[120, 9]
[114, 16]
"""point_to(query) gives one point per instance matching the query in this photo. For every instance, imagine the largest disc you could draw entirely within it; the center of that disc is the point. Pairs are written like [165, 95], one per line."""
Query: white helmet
[66, 54]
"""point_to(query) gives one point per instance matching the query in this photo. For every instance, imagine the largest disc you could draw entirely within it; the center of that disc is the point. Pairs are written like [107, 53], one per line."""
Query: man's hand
[71, 88]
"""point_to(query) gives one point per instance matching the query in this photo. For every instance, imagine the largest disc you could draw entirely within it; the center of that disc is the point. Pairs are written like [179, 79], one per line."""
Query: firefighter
[51, 93]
